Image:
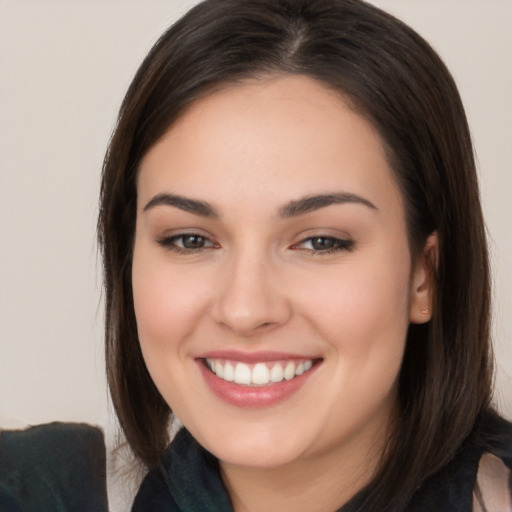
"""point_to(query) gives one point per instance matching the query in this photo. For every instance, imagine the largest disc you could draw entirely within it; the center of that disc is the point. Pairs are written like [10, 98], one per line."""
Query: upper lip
[252, 357]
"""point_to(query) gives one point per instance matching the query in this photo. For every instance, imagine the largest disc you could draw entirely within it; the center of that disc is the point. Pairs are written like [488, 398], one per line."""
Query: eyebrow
[186, 204]
[294, 208]
[309, 204]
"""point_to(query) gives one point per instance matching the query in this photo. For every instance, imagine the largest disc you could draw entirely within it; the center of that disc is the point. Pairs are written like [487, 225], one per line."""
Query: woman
[296, 268]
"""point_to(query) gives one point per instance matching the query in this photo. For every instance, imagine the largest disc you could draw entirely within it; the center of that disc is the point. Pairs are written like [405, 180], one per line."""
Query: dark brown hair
[393, 78]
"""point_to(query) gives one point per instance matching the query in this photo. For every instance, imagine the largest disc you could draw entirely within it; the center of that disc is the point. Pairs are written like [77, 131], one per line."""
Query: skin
[259, 285]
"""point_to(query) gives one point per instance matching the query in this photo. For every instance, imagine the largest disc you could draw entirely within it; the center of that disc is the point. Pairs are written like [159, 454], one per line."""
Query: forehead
[276, 138]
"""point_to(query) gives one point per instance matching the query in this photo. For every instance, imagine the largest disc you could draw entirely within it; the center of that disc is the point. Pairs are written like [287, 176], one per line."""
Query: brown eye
[193, 241]
[324, 245]
[321, 243]
[187, 243]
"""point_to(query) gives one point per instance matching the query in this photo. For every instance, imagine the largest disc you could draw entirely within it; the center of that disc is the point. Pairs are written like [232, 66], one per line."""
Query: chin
[257, 457]
[250, 448]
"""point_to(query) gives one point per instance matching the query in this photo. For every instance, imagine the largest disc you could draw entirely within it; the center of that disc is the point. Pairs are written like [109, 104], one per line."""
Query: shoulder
[480, 468]
[53, 466]
[493, 488]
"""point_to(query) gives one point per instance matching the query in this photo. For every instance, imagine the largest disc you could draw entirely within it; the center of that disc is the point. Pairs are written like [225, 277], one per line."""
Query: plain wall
[64, 68]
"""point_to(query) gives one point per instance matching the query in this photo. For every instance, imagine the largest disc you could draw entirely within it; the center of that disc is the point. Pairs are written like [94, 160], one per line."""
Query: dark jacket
[57, 467]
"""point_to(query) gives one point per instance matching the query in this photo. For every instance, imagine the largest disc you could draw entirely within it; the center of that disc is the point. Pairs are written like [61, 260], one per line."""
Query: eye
[324, 245]
[186, 243]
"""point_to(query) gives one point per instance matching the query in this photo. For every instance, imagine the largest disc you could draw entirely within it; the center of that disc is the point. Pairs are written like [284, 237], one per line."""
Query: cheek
[362, 303]
[364, 318]
[359, 311]
[168, 301]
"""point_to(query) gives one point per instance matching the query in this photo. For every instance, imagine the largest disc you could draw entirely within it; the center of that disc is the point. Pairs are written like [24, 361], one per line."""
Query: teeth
[289, 371]
[218, 369]
[261, 374]
[229, 373]
[242, 374]
[276, 374]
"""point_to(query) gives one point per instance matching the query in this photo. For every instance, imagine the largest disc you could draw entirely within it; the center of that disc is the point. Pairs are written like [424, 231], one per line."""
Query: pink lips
[253, 396]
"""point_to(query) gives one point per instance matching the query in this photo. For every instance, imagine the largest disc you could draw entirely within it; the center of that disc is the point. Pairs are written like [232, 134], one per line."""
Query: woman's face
[272, 278]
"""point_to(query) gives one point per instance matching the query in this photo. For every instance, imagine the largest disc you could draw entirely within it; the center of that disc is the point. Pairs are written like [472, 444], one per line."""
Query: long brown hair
[394, 79]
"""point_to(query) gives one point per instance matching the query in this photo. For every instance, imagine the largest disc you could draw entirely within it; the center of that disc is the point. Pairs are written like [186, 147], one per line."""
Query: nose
[252, 298]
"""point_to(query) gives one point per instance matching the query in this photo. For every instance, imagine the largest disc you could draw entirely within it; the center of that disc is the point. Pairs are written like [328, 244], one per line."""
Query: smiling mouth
[259, 374]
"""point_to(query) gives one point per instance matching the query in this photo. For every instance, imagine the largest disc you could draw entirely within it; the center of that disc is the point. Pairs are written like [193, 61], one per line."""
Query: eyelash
[170, 243]
[338, 244]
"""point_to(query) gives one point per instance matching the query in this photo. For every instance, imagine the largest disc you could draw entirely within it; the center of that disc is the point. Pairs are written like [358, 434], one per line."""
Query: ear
[422, 282]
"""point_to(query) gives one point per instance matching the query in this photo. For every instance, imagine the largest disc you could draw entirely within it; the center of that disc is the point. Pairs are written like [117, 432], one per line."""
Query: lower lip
[253, 396]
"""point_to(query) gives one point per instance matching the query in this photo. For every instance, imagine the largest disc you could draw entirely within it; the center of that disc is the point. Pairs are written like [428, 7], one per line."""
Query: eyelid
[168, 242]
[340, 244]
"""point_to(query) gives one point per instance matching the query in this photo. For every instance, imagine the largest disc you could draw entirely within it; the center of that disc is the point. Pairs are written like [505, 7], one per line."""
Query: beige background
[64, 67]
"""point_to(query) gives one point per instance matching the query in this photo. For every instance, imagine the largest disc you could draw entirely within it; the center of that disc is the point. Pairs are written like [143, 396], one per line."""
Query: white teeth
[218, 369]
[261, 374]
[276, 374]
[229, 373]
[289, 371]
[242, 374]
